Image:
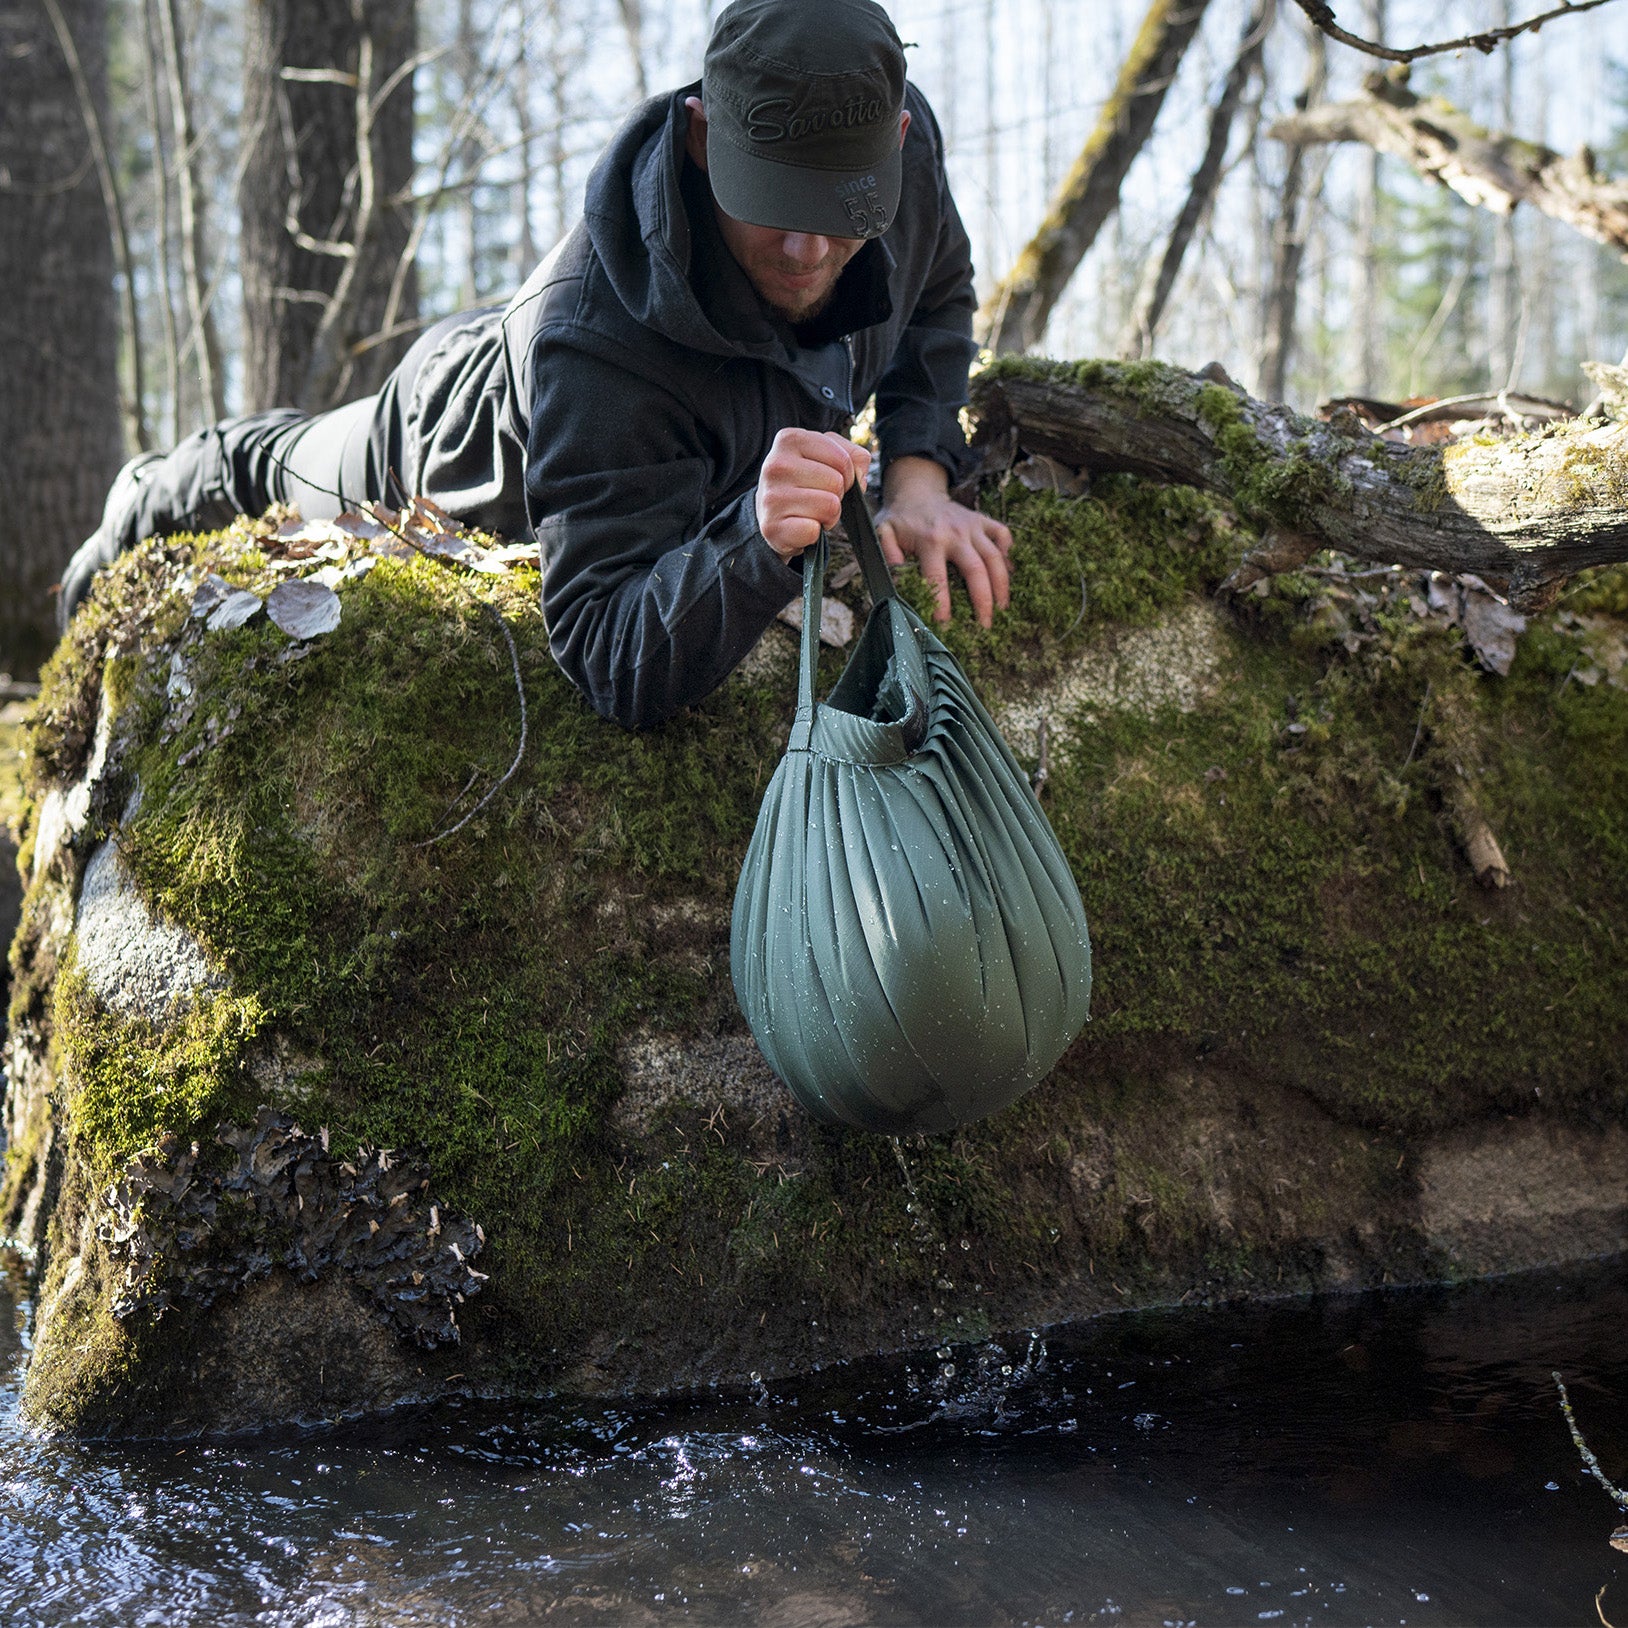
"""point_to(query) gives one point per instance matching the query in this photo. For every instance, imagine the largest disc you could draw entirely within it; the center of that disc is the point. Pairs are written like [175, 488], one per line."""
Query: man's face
[795, 273]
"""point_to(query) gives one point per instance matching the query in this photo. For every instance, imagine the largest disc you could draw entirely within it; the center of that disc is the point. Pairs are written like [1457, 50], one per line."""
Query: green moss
[1424, 469]
[1603, 589]
[1273, 882]
[130, 1079]
[1122, 556]
[1268, 488]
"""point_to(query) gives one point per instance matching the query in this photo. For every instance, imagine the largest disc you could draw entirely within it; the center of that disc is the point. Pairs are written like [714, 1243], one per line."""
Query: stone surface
[1321, 1057]
[1176, 664]
[136, 962]
[1508, 1194]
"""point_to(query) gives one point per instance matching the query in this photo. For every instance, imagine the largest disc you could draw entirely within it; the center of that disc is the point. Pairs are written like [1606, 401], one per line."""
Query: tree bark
[1524, 513]
[60, 436]
[201, 338]
[305, 171]
[1143, 326]
[1017, 311]
[1489, 168]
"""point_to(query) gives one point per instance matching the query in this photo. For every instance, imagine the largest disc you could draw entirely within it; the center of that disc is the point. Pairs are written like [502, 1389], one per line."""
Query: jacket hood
[635, 215]
[648, 215]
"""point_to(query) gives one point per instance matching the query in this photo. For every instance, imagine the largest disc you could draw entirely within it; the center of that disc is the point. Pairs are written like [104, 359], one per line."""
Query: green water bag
[908, 943]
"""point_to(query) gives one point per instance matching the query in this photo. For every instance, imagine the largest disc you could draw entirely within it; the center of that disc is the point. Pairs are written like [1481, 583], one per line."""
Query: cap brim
[828, 203]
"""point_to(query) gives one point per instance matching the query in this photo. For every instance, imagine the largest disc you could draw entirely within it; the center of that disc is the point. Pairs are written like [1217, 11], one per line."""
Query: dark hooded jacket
[656, 381]
[619, 407]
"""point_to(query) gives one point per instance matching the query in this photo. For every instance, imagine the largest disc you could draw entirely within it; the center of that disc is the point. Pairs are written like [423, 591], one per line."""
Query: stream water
[1394, 1458]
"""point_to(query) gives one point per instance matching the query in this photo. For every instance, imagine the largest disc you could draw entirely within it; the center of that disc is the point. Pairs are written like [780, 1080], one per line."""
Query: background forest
[212, 206]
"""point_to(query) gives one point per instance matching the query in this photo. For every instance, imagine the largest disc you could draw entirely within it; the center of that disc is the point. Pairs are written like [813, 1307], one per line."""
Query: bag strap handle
[856, 519]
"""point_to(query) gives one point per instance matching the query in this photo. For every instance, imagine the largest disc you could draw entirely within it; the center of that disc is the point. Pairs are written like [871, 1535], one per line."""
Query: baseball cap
[803, 100]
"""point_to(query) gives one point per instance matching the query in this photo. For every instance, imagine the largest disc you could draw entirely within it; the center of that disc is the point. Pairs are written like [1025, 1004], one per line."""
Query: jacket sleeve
[920, 395]
[653, 590]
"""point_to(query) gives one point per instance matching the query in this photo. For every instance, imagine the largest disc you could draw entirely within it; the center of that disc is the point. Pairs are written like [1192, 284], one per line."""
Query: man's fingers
[891, 552]
[792, 467]
[974, 571]
[935, 573]
[1000, 571]
[859, 460]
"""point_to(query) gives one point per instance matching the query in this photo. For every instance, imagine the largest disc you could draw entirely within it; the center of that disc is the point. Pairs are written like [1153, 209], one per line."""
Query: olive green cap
[803, 99]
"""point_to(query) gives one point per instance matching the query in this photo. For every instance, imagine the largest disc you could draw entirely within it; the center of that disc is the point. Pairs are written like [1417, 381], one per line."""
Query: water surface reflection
[1394, 1459]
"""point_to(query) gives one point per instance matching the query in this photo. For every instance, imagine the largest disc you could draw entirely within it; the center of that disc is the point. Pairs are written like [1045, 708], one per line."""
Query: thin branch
[1488, 41]
[520, 690]
[1590, 1462]
[317, 76]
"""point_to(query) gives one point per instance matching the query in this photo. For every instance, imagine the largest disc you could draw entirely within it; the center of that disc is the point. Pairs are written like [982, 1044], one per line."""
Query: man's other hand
[799, 491]
[919, 518]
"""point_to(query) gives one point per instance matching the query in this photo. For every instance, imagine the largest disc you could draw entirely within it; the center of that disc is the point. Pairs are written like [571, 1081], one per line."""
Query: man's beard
[804, 313]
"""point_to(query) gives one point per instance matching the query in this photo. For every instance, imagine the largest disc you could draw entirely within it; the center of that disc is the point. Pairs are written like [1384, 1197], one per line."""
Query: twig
[1347, 576]
[1085, 595]
[520, 690]
[1591, 1463]
[446, 813]
[1436, 406]
[1486, 42]
[1418, 733]
[1042, 772]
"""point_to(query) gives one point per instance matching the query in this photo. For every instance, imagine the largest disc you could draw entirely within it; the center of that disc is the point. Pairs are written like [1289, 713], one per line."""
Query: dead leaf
[1491, 627]
[234, 610]
[511, 554]
[836, 621]
[1043, 474]
[354, 523]
[303, 609]
[211, 591]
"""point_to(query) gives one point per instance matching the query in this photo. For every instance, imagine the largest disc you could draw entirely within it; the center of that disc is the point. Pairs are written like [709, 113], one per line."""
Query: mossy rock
[1320, 1055]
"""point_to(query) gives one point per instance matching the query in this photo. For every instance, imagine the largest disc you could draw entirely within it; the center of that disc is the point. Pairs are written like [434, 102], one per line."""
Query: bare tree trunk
[305, 170]
[1364, 368]
[91, 93]
[153, 60]
[633, 26]
[60, 438]
[1503, 291]
[1526, 512]
[1289, 246]
[1489, 168]
[559, 90]
[526, 242]
[1015, 316]
[1143, 327]
[466, 55]
[201, 339]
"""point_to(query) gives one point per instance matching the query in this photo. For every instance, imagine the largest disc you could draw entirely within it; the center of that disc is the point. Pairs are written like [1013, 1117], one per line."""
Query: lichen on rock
[287, 1201]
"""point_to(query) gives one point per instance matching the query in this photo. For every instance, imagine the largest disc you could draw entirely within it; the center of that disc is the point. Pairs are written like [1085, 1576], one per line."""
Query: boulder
[372, 1039]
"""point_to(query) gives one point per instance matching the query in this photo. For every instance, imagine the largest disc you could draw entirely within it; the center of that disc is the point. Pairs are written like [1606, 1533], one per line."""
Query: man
[664, 404]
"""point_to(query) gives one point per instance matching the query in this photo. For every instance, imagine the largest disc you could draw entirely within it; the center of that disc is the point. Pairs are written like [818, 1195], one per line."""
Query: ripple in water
[1396, 1459]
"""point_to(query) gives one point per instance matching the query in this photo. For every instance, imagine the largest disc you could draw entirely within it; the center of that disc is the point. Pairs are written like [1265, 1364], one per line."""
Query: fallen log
[1491, 169]
[1523, 513]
